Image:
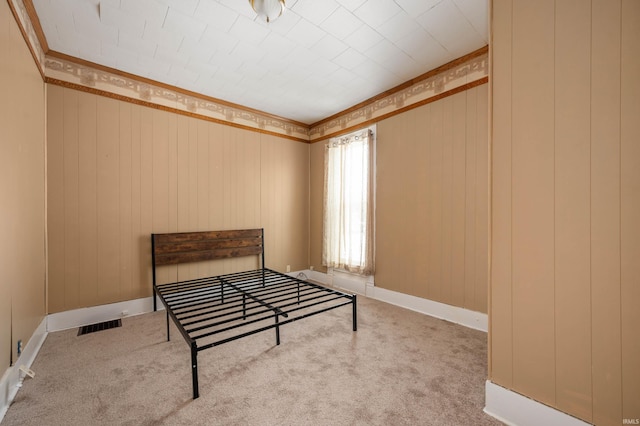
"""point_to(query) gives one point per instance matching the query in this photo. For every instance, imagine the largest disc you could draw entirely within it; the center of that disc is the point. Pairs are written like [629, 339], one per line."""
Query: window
[348, 203]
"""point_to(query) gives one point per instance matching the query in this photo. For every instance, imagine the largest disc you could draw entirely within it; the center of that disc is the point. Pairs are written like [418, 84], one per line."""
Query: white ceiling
[321, 57]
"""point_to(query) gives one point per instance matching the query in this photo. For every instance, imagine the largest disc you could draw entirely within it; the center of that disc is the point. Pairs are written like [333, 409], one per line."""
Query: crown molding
[60, 67]
[460, 73]
[116, 72]
[24, 13]
[155, 105]
[389, 114]
[441, 69]
[55, 67]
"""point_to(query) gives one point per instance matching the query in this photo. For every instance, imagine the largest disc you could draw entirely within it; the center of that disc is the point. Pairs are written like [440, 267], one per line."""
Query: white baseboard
[361, 285]
[512, 408]
[347, 281]
[85, 316]
[12, 378]
[466, 317]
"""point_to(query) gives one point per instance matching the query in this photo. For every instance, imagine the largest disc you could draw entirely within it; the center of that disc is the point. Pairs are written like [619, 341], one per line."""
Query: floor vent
[92, 328]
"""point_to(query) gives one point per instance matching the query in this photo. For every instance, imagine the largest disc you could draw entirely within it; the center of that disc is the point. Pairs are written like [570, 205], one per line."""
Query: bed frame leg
[168, 337]
[277, 330]
[244, 306]
[194, 369]
[355, 314]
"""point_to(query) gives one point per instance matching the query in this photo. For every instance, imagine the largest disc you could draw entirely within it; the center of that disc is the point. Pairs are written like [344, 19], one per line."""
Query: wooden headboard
[184, 247]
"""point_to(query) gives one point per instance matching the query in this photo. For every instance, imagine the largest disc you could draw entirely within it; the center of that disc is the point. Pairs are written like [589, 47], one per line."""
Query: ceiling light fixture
[268, 10]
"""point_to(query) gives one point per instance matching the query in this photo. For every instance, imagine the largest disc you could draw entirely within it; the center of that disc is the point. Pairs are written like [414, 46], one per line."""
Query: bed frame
[214, 310]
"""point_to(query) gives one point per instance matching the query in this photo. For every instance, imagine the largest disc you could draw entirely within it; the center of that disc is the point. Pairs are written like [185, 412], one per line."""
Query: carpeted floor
[399, 368]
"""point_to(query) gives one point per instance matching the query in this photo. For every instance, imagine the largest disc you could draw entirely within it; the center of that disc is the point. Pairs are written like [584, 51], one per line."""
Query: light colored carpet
[400, 367]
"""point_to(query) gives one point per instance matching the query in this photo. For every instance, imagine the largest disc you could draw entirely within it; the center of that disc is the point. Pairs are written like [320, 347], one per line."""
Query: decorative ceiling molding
[23, 17]
[404, 109]
[465, 71]
[474, 69]
[93, 77]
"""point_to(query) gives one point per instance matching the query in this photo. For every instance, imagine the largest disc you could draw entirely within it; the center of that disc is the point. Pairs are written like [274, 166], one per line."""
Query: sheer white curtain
[348, 203]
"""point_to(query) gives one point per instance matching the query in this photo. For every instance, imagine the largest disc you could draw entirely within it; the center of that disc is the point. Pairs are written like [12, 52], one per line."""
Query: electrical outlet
[288, 268]
[125, 313]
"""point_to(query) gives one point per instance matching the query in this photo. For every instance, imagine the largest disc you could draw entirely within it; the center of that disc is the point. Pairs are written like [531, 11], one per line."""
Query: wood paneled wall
[22, 193]
[118, 172]
[565, 285]
[316, 171]
[431, 201]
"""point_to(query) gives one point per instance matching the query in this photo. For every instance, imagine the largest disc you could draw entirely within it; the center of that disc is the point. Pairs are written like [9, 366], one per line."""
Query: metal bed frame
[215, 310]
